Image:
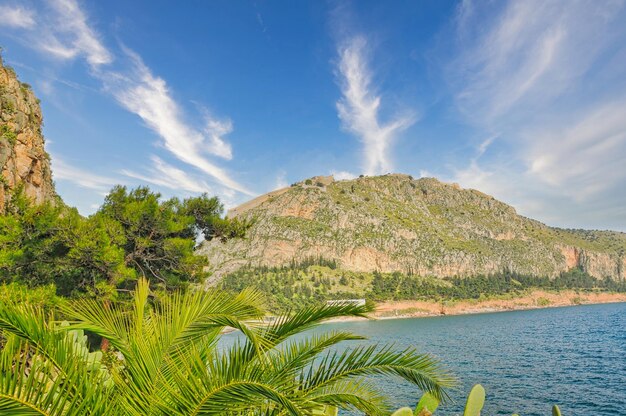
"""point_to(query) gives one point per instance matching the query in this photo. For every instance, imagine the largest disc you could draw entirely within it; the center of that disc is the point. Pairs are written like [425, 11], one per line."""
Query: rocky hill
[23, 159]
[419, 226]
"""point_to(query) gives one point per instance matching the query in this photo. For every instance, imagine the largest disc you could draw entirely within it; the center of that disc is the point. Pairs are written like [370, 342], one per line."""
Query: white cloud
[17, 17]
[216, 130]
[148, 96]
[342, 175]
[548, 80]
[589, 153]
[62, 31]
[359, 108]
[51, 45]
[67, 34]
[528, 55]
[484, 145]
[164, 174]
[426, 174]
[81, 177]
[281, 180]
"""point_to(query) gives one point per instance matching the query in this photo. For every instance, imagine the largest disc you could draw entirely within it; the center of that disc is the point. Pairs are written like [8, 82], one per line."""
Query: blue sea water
[526, 360]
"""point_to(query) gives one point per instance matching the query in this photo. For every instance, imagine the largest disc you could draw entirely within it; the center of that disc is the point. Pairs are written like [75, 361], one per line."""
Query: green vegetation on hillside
[317, 280]
[395, 222]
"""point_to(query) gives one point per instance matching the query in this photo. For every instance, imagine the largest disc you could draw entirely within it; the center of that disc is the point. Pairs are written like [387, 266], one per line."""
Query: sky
[522, 100]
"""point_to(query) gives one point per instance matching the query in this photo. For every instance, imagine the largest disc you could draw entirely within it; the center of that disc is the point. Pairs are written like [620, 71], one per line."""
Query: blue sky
[523, 100]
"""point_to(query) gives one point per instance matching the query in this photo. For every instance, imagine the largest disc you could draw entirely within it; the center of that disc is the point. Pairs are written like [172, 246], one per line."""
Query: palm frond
[41, 370]
[296, 355]
[226, 385]
[292, 324]
[171, 362]
[420, 369]
[155, 341]
[351, 395]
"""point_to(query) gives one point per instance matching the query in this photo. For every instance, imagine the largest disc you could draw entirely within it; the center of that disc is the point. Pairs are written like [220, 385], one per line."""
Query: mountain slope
[396, 223]
[23, 159]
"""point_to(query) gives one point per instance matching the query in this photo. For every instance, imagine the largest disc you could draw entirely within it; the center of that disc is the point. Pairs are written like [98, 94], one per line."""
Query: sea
[526, 360]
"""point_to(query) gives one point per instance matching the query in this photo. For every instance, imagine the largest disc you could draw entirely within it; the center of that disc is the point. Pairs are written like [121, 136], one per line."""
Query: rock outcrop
[23, 159]
[396, 223]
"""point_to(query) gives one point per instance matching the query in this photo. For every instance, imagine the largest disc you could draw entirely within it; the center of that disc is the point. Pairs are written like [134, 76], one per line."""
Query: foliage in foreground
[166, 359]
[473, 406]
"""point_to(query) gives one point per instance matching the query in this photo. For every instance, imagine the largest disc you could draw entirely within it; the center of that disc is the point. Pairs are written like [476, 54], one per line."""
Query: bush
[43, 297]
[8, 134]
[9, 107]
[543, 302]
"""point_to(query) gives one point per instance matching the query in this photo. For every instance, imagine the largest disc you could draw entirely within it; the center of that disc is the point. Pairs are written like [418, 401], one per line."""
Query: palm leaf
[172, 364]
[419, 369]
[41, 371]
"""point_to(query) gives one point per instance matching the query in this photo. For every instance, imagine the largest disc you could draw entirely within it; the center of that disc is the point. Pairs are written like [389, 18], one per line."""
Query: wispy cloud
[164, 174]
[148, 96]
[281, 180]
[81, 177]
[70, 35]
[360, 105]
[549, 81]
[589, 153]
[215, 130]
[66, 33]
[530, 53]
[16, 16]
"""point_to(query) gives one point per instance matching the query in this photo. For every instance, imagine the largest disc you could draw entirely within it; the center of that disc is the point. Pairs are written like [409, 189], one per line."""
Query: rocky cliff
[23, 159]
[397, 223]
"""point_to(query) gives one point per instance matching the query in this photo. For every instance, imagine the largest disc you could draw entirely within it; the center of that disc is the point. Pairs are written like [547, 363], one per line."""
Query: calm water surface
[526, 360]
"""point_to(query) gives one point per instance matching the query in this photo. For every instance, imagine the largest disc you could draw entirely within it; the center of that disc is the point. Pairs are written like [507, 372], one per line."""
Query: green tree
[167, 362]
[134, 233]
[52, 244]
[93, 260]
[158, 237]
[207, 214]
[25, 238]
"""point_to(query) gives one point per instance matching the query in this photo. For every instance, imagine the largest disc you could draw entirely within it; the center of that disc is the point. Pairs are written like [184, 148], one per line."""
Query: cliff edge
[23, 159]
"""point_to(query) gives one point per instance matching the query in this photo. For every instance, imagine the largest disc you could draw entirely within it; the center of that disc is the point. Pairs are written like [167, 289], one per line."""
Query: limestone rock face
[23, 159]
[397, 223]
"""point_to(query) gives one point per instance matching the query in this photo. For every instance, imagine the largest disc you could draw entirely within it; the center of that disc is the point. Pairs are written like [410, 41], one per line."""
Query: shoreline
[536, 299]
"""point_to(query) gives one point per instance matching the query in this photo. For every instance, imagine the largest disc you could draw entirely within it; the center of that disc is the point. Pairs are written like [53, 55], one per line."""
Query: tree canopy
[135, 233]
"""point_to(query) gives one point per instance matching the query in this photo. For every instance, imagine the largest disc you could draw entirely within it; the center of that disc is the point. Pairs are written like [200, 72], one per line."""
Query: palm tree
[167, 360]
